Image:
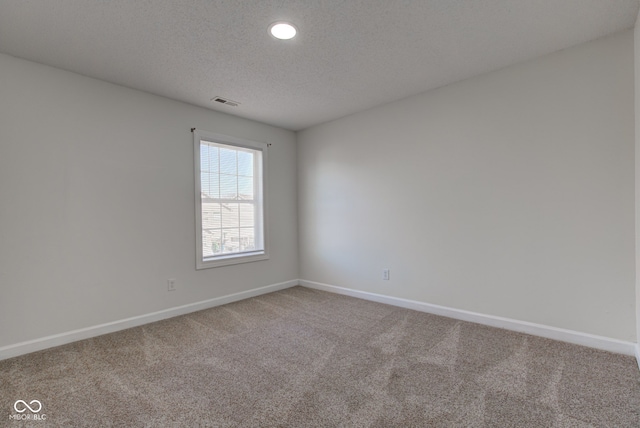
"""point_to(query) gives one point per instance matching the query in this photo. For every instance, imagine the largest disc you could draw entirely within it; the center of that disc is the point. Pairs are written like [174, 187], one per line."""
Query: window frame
[227, 259]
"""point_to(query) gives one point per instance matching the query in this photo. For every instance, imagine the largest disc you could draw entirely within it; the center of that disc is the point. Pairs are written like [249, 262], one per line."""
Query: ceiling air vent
[225, 101]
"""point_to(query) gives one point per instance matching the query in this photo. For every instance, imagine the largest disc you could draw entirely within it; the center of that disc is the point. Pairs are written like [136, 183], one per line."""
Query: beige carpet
[305, 358]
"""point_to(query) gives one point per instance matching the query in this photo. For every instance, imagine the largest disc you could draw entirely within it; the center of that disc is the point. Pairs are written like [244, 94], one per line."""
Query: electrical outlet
[385, 274]
[171, 284]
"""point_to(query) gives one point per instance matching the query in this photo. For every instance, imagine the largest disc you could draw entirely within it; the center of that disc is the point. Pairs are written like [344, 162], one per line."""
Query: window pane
[214, 154]
[209, 185]
[247, 212]
[211, 243]
[204, 157]
[211, 215]
[204, 184]
[214, 186]
[245, 188]
[230, 241]
[230, 215]
[245, 164]
[247, 239]
[228, 186]
[228, 161]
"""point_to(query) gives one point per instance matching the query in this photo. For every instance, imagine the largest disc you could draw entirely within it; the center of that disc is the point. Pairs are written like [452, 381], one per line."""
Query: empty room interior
[320, 213]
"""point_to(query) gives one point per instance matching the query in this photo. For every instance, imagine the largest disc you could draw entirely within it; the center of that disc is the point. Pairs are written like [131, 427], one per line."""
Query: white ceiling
[350, 55]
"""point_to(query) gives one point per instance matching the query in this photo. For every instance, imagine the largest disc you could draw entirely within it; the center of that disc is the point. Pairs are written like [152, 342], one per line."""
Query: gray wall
[97, 203]
[509, 194]
[637, 157]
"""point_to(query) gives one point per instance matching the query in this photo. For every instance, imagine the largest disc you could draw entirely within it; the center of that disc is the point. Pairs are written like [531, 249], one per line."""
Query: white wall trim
[98, 330]
[564, 335]
[570, 336]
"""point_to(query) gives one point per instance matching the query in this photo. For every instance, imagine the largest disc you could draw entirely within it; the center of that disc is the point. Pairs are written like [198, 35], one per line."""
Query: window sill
[232, 259]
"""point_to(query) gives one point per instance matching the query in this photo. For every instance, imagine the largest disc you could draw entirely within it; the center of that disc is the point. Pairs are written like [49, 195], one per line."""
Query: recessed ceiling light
[282, 30]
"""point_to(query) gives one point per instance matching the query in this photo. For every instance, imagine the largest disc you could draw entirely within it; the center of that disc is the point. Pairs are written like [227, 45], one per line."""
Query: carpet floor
[306, 358]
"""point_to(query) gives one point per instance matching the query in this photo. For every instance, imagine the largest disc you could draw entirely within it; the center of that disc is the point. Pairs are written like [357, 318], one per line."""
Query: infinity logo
[27, 406]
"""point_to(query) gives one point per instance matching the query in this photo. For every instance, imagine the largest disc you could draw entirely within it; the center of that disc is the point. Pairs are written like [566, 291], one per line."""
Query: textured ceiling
[350, 55]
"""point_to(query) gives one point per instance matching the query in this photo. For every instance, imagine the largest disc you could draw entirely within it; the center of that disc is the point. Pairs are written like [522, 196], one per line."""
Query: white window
[230, 200]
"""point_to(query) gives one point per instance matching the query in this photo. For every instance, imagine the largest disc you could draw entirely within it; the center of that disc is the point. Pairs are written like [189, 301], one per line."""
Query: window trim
[230, 259]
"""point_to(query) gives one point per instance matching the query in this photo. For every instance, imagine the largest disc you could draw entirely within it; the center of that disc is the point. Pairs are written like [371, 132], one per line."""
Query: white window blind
[229, 200]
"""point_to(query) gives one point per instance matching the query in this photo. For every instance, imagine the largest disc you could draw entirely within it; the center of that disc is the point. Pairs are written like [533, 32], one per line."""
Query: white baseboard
[98, 330]
[638, 354]
[570, 336]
